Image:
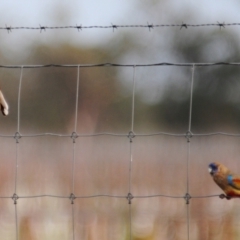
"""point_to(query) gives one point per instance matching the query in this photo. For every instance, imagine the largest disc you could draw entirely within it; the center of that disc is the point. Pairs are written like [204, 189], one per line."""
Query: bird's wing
[234, 181]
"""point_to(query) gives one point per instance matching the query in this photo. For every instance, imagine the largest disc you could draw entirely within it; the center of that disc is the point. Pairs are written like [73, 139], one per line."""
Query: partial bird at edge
[225, 179]
[4, 105]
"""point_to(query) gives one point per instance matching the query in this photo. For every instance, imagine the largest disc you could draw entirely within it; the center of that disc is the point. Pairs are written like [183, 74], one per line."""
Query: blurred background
[162, 97]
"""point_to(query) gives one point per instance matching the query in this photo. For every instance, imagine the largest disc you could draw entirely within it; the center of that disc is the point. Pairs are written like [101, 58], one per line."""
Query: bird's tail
[3, 104]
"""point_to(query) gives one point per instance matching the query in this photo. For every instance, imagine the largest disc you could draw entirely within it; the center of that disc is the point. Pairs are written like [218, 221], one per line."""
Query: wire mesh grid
[129, 138]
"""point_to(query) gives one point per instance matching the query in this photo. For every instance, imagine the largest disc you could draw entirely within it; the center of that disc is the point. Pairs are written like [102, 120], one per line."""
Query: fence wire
[123, 65]
[116, 26]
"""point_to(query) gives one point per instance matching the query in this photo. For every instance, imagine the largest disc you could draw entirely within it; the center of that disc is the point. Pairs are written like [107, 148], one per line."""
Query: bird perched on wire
[225, 179]
[3, 104]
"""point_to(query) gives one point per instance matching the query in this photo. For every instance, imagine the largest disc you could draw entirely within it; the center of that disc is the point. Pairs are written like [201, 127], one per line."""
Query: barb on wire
[9, 29]
[114, 27]
[221, 25]
[42, 28]
[150, 26]
[184, 25]
[79, 27]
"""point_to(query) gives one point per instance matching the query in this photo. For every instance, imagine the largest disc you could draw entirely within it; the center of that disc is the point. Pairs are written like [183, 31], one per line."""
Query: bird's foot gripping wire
[222, 196]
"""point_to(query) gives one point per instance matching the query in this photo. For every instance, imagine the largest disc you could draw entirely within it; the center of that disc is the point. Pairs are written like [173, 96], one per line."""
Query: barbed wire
[115, 26]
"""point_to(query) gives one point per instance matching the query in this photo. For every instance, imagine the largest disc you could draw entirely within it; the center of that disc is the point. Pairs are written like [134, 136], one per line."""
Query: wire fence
[130, 136]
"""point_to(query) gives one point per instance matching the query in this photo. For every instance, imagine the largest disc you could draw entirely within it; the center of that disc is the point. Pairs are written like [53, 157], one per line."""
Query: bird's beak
[210, 170]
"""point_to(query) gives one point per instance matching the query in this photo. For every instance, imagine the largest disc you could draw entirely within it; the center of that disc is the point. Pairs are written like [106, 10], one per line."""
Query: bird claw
[222, 196]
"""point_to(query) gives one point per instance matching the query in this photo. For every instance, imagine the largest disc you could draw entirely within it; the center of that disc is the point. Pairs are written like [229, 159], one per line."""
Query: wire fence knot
[188, 135]
[187, 197]
[17, 136]
[15, 198]
[74, 136]
[72, 198]
[131, 135]
[129, 198]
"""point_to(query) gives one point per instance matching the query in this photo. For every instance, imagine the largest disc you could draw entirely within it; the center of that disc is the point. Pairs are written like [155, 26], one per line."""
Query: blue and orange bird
[225, 179]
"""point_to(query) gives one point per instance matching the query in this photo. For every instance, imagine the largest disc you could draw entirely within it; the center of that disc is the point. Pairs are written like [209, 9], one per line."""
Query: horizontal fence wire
[115, 26]
[123, 65]
[120, 135]
[110, 196]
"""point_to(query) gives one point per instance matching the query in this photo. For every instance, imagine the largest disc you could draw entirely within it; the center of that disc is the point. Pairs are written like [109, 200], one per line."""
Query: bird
[3, 105]
[225, 179]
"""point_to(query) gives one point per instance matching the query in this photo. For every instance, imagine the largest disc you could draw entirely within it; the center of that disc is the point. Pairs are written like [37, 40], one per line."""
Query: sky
[107, 11]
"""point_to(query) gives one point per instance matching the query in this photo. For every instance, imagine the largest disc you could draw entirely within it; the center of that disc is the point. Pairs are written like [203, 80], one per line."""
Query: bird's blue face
[212, 168]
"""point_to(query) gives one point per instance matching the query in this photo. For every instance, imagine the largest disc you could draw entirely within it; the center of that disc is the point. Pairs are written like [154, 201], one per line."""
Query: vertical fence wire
[191, 95]
[189, 135]
[15, 190]
[18, 129]
[74, 134]
[16, 168]
[19, 98]
[133, 98]
[131, 135]
[16, 220]
[17, 136]
[187, 205]
[76, 105]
